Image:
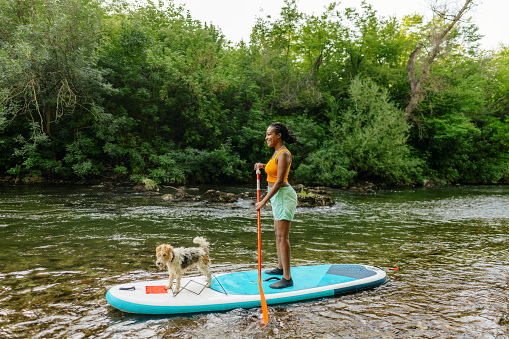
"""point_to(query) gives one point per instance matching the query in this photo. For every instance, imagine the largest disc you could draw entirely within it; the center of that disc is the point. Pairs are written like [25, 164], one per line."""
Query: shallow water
[61, 248]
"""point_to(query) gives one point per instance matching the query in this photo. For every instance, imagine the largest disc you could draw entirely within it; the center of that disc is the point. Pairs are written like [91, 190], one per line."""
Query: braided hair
[286, 134]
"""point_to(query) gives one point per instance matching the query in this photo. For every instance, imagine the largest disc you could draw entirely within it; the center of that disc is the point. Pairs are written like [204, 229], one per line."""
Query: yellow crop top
[271, 168]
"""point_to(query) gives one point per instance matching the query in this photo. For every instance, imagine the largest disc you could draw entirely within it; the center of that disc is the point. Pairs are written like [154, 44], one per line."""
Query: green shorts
[284, 203]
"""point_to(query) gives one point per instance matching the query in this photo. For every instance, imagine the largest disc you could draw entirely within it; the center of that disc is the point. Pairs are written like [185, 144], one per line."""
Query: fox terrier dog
[180, 260]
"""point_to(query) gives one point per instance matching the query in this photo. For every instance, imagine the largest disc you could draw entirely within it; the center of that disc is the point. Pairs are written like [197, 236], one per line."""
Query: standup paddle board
[240, 289]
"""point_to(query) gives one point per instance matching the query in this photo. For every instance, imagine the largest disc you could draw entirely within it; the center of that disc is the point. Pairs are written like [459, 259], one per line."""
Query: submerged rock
[152, 194]
[247, 195]
[429, 183]
[363, 187]
[221, 197]
[167, 197]
[182, 195]
[308, 197]
[106, 185]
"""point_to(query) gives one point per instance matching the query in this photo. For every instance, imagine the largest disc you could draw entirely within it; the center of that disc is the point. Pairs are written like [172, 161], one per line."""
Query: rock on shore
[220, 197]
[309, 197]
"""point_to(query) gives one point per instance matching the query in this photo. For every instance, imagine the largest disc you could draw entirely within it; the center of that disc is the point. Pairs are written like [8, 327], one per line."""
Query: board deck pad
[304, 277]
[155, 289]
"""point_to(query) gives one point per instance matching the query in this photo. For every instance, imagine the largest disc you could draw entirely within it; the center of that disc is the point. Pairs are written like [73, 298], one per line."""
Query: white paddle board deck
[240, 289]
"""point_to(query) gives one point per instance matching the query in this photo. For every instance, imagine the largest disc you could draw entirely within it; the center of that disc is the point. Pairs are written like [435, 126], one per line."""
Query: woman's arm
[283, 161]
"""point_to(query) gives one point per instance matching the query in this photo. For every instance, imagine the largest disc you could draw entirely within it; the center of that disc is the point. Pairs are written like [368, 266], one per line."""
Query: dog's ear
[162, 250]
[168, 252]
[165, 250]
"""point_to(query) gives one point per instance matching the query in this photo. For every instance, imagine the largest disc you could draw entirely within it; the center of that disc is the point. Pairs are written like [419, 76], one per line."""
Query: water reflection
[63, 247]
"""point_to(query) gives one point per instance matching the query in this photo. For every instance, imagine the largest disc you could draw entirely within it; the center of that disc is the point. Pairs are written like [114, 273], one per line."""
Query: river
[62, 247]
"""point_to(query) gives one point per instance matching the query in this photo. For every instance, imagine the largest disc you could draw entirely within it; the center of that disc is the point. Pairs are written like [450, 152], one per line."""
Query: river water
[62, 247]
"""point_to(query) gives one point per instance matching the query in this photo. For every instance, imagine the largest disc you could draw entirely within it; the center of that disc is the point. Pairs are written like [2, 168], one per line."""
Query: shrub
[373, 133]
[326, 166]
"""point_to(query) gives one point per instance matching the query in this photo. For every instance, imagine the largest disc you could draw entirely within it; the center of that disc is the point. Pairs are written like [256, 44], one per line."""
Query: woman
[282, 197]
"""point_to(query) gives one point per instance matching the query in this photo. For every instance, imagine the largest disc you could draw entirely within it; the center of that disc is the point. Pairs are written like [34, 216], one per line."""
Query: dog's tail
[202, 242]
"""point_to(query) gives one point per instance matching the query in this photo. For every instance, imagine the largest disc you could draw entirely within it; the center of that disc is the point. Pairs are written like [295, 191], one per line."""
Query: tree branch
[415, 84]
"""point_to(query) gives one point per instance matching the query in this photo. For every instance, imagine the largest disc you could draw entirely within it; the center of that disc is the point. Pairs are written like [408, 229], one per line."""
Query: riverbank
[116, 181]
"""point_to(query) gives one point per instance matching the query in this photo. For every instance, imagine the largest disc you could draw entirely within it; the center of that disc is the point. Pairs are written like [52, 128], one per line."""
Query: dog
[179, 260]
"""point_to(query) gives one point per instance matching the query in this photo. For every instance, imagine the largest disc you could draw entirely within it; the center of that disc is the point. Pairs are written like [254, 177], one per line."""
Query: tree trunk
[416, 84]
[47, 128]
[47, 120]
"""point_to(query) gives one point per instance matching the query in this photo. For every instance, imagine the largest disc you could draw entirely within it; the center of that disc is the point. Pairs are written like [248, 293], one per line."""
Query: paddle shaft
[262, 296]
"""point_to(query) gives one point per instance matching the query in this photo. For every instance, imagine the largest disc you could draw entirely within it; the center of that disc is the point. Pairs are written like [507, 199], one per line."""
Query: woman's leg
[279, 262]
[282, 230]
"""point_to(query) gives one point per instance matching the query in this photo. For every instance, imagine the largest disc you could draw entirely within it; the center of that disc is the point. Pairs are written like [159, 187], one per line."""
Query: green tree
[441, 37]
[47, 62]
[373, 134]
[170, 91]
[362, 43]
[327, 165]
[462, 135]
[283, 79]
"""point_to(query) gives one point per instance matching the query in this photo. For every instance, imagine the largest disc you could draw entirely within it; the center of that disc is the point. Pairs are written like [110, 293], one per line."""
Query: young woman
[282, 197]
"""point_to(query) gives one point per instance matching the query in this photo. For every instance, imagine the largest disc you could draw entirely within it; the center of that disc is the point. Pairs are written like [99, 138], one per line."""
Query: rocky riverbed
[307, 197]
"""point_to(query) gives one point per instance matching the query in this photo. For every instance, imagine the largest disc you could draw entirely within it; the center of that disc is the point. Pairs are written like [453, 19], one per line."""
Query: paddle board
[240, 290]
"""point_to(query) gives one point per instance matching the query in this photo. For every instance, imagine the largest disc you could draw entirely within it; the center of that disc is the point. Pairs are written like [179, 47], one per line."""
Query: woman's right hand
[259, 165]
[259, 205]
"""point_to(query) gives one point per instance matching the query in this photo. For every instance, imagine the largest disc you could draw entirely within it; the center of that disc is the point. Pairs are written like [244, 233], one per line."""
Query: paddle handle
[265, 311]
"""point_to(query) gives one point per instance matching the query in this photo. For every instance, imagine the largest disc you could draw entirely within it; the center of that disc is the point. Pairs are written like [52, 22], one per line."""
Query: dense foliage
[93, 89]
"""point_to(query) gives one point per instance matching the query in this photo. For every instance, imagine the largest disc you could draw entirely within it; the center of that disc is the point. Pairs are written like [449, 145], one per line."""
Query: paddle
[262, 296]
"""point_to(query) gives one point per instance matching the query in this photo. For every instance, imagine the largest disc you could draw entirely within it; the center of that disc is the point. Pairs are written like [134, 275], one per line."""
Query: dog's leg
[178, 276]
[170, 280]
[205, 270]
[177, 286]
[209, 278]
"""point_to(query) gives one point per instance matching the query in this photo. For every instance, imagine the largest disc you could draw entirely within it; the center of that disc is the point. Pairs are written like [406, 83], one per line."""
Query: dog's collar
[172, 256]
